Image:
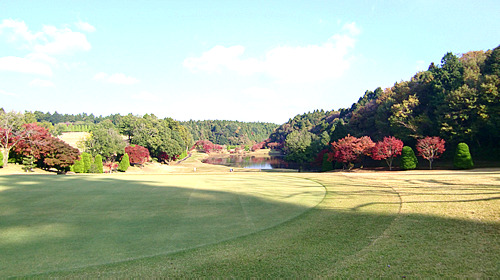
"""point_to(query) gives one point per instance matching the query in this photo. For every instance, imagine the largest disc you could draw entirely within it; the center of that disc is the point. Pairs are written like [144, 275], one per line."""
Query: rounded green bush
[463, 158]
[408, 159]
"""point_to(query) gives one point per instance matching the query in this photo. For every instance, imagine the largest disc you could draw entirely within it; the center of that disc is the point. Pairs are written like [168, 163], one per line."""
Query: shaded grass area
[369, 225]
[52, 223]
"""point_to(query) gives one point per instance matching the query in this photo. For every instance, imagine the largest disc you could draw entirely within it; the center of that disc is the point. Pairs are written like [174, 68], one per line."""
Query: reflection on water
[261, 162]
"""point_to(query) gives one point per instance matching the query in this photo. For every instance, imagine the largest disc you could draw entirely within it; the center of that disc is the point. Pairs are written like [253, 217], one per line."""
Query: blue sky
[233, 60]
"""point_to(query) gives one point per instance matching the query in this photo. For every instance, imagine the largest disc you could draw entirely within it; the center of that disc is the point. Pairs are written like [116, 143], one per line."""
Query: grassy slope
[369, 225]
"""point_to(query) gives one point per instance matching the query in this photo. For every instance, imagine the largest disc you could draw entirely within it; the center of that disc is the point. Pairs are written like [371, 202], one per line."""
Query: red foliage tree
[207, 146]
[165, 158]
[138, 155]
[258, 146]
[275, 146]
[57, 154]
[50, 152]
[350, 149]
[430, 148]
[33, 140]
[387, 149]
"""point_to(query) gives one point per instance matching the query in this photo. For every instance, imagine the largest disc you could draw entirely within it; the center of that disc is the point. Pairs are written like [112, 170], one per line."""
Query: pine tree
[463, 158]
[408, 158]
[28, 163]
[124, 163]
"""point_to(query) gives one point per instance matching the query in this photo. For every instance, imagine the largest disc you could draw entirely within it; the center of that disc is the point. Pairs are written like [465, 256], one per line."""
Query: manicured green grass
[369, 225]
[52, 223]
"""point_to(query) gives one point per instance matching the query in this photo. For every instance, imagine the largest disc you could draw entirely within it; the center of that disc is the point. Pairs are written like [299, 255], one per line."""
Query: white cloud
[60, 41]
[24, 65]
[351, 28]
[51, 40]
[41, 83]
[117, 78]
[3, 92]
[145, 96]
[85, 26]
[18, 29]
[290, 64]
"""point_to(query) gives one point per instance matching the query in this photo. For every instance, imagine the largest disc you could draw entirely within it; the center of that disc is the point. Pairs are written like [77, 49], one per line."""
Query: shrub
[87, 161]
[78, 167]
[408, 158]
[124, 163]
[463, 158]
[1, 159]
[97, 166]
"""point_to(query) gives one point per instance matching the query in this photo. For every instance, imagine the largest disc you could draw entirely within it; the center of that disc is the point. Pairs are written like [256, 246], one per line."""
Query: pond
[255, 162]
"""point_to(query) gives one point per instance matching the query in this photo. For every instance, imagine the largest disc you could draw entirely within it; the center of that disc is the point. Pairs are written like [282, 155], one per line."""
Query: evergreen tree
[463, 158]
[28, 163]
[408, 158]
[124, 163]
[326, 164]
[87, 162]
[97, 166]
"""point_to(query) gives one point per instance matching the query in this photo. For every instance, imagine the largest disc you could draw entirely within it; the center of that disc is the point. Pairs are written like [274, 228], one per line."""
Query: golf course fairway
[55, 223]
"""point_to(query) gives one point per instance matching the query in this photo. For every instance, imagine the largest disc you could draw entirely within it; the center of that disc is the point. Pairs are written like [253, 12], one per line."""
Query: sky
[253, 61]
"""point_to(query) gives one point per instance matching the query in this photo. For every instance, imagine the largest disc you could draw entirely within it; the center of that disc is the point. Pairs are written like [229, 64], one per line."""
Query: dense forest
[457, 100]
[229, 132]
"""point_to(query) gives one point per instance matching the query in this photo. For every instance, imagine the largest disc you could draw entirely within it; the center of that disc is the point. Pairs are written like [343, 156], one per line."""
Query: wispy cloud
[290, 64]
[117, 78]
[51, 40]
[3, 92]
[41, 46]
[85, 26]
[24, 65]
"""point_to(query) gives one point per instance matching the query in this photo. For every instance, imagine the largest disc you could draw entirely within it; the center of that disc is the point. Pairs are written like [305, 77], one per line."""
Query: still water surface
[260, 162]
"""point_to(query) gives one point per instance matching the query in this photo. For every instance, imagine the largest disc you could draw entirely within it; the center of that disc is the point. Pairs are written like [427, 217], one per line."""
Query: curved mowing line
[170, 252]
[384, 234]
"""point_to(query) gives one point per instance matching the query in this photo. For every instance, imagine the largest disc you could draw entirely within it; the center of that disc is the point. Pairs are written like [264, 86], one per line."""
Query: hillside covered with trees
[223, 132]
[457, 100]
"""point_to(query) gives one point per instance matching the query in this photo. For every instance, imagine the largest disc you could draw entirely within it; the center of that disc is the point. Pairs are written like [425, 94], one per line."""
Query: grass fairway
[54, 223]
[369, 225]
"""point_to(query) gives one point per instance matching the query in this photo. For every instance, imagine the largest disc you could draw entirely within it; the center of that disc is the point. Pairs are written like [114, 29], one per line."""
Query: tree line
[234, 133]
[457, 100]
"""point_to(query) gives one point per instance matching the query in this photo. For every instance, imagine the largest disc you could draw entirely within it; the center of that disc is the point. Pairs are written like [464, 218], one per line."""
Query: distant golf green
[53, 223]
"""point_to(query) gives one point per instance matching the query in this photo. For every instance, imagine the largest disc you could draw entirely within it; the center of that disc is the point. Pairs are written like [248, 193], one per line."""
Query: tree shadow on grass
[51, 223]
